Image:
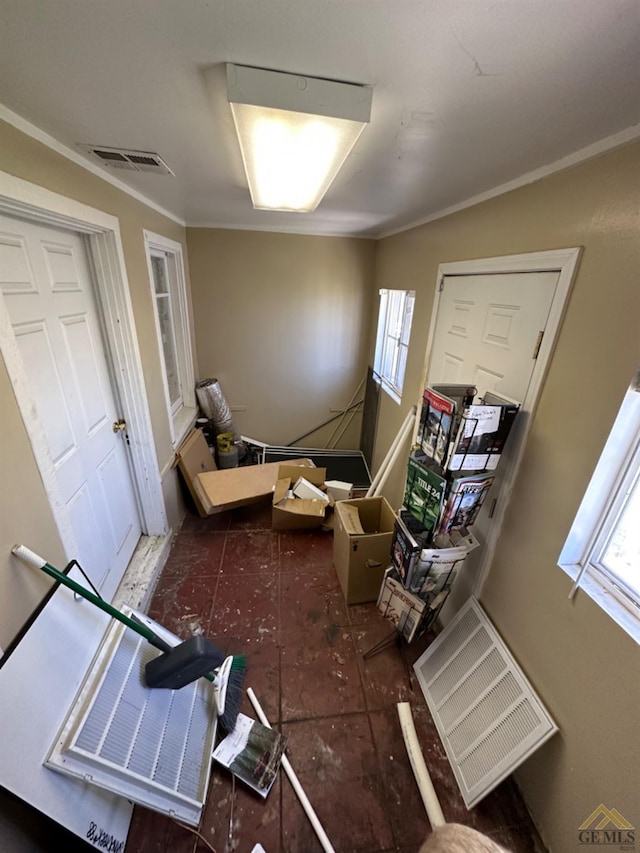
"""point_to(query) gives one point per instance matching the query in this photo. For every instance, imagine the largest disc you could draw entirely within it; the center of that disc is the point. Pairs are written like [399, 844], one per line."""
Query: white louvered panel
[487, 715]
[152, 746]
[450, 640]
[487, 671]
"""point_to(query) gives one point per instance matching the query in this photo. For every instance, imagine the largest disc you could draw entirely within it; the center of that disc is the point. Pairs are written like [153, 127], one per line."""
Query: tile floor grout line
[296, 550]
[219, 574]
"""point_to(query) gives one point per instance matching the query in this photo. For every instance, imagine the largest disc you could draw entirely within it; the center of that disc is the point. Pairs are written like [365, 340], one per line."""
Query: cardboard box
[233, 487]
[291, 513]
[339, 490]
[350, 518]
[216, 491]
[304, 488]
[361, 559]
[194, 457]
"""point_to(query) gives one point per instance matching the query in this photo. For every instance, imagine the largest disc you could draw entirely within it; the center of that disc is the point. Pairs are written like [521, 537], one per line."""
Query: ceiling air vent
[487, 715]
[126, 158]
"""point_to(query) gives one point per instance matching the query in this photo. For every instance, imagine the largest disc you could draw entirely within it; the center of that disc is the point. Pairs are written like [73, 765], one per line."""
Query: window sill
[621, 614]
[183, 421]
[392, 392]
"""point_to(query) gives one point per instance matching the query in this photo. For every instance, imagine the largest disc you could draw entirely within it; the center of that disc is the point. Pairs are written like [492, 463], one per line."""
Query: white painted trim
[597, 513]
[143, 572]
[182, 420]
[108, 259]
[18, 197]
[51, 142]
[603, 146]
[609, 143]
[563, 261]
[277, 229]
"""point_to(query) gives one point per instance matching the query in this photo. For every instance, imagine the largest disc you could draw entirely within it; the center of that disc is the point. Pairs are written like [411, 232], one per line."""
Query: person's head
[456, 838]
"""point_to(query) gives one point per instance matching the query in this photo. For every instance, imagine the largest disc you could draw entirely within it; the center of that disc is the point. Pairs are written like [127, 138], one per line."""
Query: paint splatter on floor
[276, 597]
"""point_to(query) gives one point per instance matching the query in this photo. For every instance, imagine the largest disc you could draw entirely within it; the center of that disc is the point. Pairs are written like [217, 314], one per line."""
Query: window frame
[600, 510]
[393, 330]
[182, 413]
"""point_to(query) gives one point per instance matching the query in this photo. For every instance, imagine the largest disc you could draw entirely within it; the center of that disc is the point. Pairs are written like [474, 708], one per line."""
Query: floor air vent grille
[152, 746]
[487, 715]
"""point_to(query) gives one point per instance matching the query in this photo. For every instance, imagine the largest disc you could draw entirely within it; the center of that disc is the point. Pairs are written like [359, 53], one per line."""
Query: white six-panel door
[487, 334]
[488, 328]
[46, 284]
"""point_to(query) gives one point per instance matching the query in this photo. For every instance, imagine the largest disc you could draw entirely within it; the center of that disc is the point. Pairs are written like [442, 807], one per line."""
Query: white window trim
[595, 517]
[393, 390]
[182, 417]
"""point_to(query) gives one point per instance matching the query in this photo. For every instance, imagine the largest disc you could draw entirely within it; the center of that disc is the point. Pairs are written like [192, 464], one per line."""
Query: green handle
[37, 562]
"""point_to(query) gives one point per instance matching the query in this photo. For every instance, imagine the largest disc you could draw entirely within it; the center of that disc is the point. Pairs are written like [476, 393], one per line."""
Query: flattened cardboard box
[297, 513]
[233, 487]
[194, 457]
[360, 559]
[219, 490]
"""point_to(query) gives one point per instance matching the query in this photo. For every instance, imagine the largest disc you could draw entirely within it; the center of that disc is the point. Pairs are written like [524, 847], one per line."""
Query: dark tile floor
[275, 597]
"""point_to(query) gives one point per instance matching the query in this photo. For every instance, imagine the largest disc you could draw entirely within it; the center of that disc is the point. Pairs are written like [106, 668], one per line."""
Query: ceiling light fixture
[294, 132]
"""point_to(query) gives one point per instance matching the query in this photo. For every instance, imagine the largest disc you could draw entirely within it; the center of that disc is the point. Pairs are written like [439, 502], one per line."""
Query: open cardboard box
[298, 513]
[215, 490]
[363, 531]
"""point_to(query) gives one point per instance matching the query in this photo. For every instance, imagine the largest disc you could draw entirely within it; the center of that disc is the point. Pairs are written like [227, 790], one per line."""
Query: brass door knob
[119, 426]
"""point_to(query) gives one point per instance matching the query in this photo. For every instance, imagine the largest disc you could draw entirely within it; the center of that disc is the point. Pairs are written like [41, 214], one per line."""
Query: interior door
[488, 332]
[46, 284]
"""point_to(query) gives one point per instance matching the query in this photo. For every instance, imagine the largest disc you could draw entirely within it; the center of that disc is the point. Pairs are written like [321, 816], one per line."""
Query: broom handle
[34, 560]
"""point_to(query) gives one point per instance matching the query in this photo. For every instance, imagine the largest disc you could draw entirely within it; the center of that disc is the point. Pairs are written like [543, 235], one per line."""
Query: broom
[178, 665]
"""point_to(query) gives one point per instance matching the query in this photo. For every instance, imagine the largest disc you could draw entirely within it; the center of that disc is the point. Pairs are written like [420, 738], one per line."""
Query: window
[602, 551]
[166, 274]
[392, 340]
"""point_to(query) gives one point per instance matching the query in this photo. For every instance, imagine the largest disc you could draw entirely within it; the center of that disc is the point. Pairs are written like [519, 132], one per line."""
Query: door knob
[119, 426]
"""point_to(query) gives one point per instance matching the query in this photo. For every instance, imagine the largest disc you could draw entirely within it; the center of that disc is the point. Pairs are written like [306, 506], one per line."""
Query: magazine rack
[396, 637]
[457, 448]
[416, 620]
[450, 437]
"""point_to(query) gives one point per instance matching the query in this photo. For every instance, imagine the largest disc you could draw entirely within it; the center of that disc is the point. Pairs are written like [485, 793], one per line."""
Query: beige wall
[283, 322]
[584, 666]
[24, 511]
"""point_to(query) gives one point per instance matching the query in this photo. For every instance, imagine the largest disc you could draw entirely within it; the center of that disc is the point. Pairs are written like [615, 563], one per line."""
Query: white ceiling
[468, 94]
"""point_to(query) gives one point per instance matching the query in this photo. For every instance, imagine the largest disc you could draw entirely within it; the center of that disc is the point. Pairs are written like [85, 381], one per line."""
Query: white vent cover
[487, 715]
[127, 158]
[152, 746]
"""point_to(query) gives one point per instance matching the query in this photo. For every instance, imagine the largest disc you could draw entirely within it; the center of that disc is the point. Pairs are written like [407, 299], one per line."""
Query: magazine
[481, 437]
[400, 607]
[253, 753]
[424, 494]
[437, 420]
[435, 571]
[462, 395]
[456, 537]
[464, 501]
[406, 543]
[404, 549]
[491, 398]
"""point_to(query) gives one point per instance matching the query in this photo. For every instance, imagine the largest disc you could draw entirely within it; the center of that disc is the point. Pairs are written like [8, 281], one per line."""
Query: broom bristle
[235, 687]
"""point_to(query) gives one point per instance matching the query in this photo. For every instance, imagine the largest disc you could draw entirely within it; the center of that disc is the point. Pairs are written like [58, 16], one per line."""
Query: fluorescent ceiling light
[294, 132]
